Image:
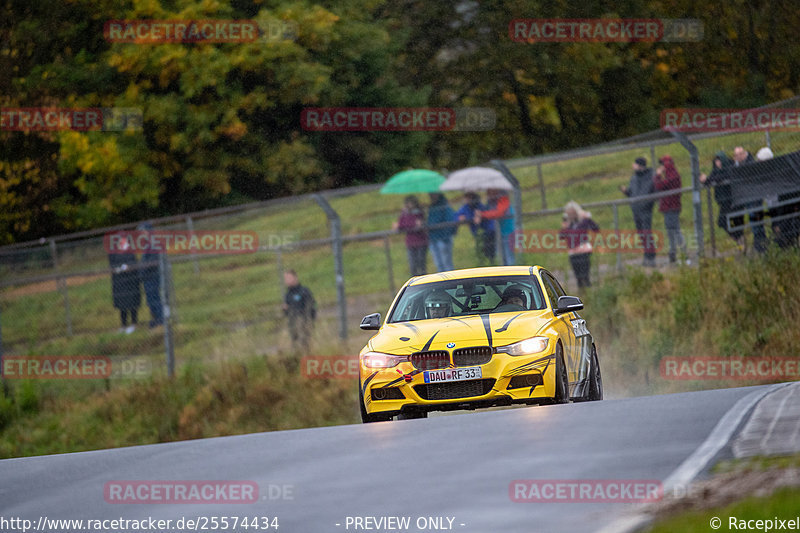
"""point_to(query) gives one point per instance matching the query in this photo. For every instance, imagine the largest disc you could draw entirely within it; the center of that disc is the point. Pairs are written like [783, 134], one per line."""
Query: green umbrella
[413, 181]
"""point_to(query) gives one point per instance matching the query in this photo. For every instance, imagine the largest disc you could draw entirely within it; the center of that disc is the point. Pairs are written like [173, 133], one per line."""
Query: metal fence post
[62, 287]
[697, 213]
[711, 223]
[616, 229]
[336, 244]
[164, 279]
[390, 271]
[190, 227]
[279, 265]
[2, 379]
[541, 185]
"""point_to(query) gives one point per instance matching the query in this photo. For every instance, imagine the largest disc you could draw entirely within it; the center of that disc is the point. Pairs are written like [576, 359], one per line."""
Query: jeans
[508, 249]
[673, 224]
[442, 252]
[153, 295]
[417, 260]
[581, 265]
[644, 223]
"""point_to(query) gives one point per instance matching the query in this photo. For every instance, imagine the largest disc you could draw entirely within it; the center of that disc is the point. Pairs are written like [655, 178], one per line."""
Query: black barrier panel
[756, 181]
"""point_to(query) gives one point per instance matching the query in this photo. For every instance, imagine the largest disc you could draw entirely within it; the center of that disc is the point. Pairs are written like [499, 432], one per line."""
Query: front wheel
[562, 380]
[595, 379]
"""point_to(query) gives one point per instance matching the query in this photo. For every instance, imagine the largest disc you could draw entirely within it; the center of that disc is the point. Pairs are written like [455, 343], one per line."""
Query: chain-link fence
[65, 295]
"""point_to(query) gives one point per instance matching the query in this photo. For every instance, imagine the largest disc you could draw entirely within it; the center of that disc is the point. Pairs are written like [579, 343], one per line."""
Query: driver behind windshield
[513, 300]
[438, 305]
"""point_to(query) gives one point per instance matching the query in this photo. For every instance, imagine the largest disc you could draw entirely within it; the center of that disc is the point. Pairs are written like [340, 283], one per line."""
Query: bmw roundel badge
[451, 345]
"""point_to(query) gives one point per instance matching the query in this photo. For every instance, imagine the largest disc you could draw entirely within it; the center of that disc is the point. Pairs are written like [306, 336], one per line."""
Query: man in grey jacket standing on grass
[641, 184]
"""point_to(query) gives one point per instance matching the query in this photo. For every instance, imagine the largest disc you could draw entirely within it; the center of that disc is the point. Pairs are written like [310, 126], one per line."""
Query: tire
[366, 417]
[595, 379]
[562, 380]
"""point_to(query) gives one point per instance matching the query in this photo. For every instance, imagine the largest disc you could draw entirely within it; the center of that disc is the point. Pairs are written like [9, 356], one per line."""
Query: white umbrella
[476, 179]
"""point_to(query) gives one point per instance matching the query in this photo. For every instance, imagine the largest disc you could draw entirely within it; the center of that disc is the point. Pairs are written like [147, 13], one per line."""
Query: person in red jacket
[668, 178]
[412, 222]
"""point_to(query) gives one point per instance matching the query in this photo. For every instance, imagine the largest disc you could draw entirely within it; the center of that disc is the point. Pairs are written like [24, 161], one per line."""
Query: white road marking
[697, 461]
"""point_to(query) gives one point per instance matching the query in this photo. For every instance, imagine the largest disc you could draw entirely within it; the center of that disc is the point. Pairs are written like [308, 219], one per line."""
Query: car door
[564, 326]
[582, 348]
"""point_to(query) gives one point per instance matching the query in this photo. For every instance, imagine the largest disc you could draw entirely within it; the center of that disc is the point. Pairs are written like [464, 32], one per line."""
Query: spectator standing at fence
[742, 157]
[441, 239]
[641, 184]
[482, 231]
[125, 292]
[499, 208]
[150, 275]
[575, 226]
[720, 180]
[668, 178]
[412, 222]
[300, 309]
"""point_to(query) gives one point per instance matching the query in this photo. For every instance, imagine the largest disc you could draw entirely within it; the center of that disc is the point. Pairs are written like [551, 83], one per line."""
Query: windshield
[462, 297]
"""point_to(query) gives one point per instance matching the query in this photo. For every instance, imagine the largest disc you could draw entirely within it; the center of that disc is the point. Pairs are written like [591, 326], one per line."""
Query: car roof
[482, 272]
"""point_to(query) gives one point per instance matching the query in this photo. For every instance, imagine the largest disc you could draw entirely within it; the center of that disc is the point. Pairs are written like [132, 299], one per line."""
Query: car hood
[497, 329]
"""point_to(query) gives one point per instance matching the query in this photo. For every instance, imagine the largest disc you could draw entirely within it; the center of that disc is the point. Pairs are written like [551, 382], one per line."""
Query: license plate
[453, 374]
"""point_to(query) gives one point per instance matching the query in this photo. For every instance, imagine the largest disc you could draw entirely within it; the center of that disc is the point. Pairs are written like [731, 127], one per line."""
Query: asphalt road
[458, 466]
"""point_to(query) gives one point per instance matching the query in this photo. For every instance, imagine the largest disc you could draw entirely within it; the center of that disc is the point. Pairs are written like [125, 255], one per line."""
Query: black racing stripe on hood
[454, 319]
[505, 326]
[488, 327]
[430, 341]
[412, 327]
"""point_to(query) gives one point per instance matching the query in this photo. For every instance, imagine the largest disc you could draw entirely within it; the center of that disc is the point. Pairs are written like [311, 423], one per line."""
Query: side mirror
[372, 321]
[568, 304]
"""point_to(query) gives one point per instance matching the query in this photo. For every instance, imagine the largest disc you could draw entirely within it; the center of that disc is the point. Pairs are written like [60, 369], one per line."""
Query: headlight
[382, 360]
[526, 347]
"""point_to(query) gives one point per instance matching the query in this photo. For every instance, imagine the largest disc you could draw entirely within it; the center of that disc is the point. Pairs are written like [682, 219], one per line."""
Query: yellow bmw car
[475, 338]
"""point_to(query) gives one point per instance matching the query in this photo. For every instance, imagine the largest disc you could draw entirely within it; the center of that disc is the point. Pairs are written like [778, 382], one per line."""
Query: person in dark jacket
[719, 179]
[441, 240]
[575, 226]
[482, 231]
[300, 309]
[742, 157]
[668, 178]
[151, 280]
[125, 284]
[411, 221]
[641, 184]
